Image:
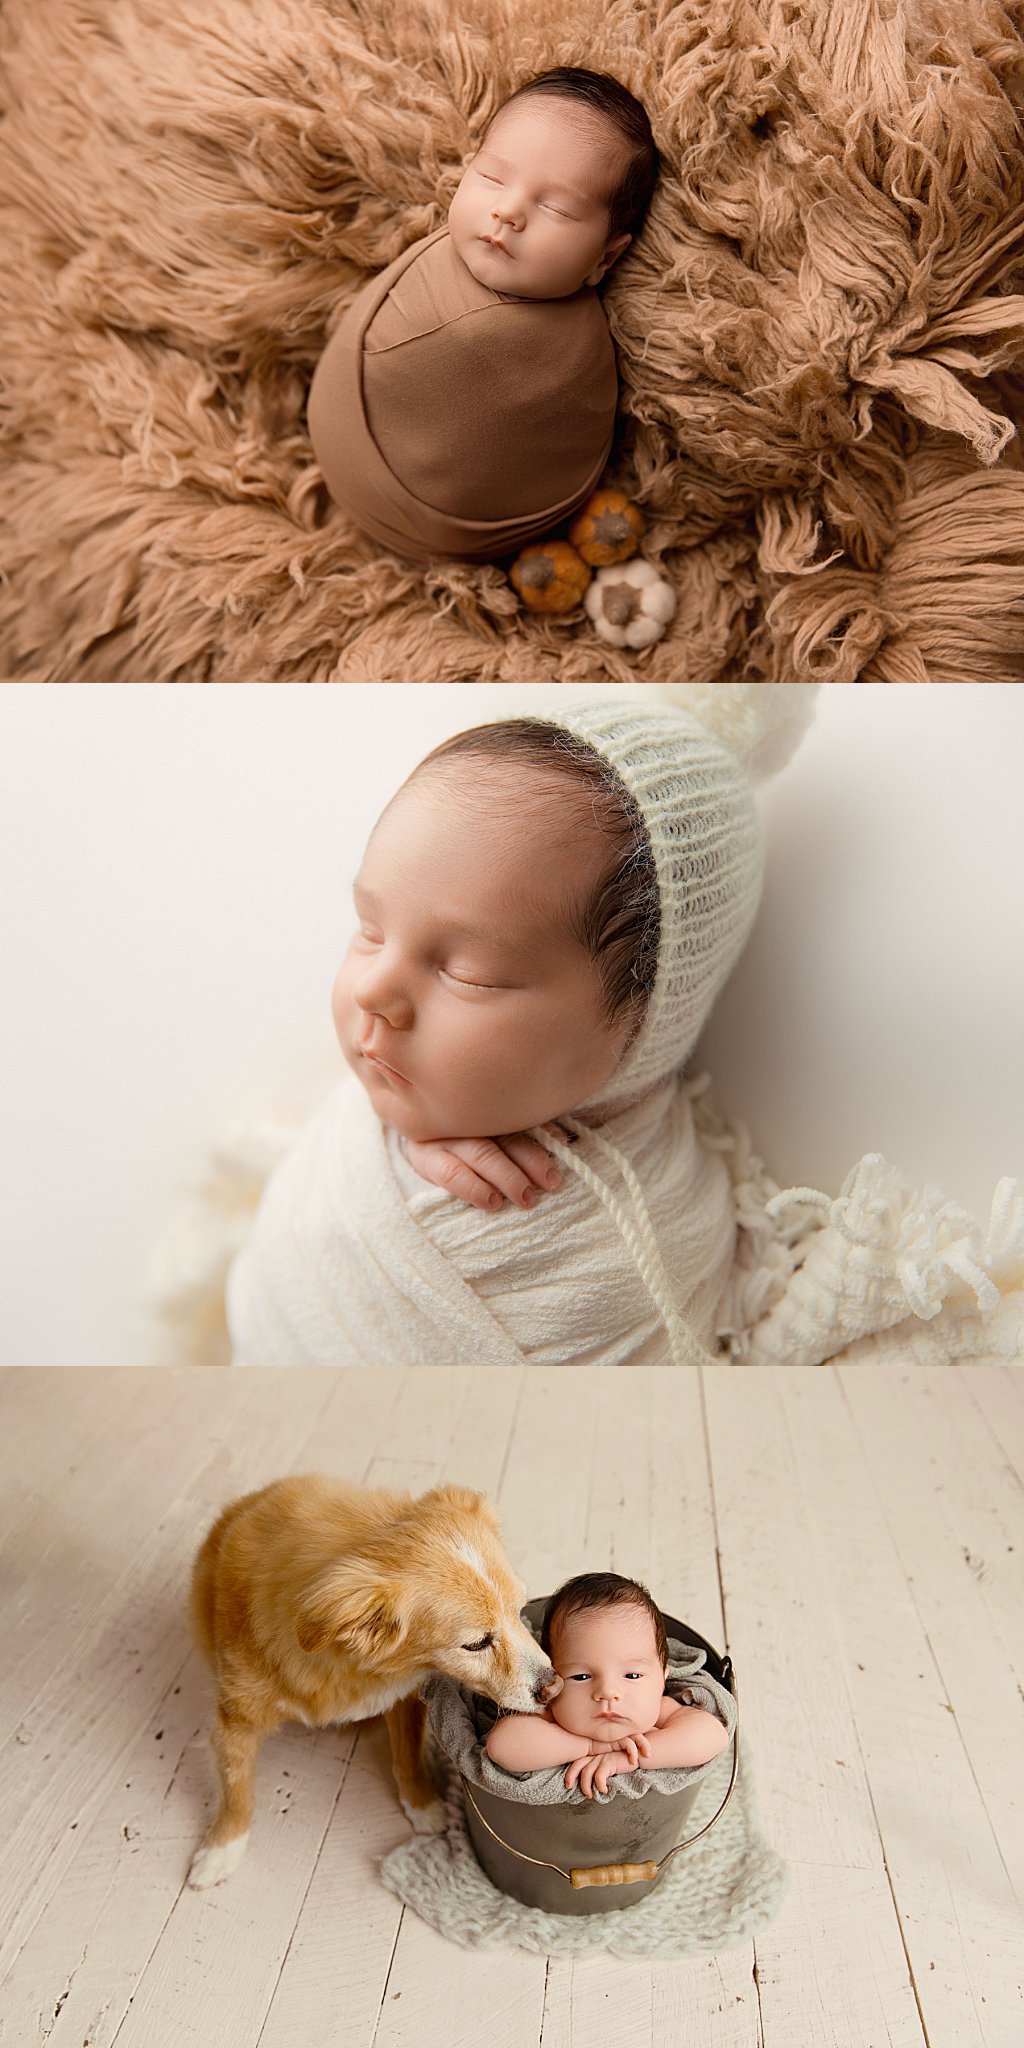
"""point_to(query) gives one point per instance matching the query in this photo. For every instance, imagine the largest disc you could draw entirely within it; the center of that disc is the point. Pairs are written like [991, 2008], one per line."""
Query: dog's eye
[484, 1644]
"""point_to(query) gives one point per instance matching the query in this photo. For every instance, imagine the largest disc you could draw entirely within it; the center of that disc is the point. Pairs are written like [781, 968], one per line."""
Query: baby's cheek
[341, 1001]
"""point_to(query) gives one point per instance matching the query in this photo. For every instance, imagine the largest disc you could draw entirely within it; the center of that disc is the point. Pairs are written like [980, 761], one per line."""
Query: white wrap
[352, 1260]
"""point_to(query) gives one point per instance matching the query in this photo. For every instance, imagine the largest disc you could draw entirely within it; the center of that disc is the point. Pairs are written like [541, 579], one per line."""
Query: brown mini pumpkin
[609, 528]
[549, 577]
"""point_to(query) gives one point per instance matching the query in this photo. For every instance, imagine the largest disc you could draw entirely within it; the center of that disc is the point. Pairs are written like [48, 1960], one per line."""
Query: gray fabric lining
[459, 1723]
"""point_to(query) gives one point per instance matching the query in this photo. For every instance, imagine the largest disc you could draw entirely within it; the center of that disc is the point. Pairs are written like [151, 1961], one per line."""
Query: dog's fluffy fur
[318, 1602]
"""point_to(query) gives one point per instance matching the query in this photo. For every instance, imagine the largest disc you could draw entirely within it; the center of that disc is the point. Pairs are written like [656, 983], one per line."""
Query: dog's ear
[464, 1500]
[365, 1618]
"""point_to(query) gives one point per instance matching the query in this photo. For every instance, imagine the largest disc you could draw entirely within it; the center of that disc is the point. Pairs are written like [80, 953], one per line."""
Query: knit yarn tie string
[636, 1229]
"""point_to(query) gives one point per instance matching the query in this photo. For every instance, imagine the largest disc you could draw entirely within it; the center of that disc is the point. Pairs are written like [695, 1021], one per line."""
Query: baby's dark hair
[620, 923]
[601, 1589]
[628, 203]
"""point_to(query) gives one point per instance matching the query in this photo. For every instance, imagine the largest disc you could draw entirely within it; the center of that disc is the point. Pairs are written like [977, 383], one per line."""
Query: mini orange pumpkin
[609, 528]
[550, 577]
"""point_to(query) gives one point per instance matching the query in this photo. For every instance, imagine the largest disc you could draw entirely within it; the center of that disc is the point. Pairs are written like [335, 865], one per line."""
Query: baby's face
[613, 1678]
[464, 1003]
[539, 186]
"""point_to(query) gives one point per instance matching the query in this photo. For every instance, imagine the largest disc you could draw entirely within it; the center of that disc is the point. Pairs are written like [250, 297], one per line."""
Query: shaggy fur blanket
[819, 333]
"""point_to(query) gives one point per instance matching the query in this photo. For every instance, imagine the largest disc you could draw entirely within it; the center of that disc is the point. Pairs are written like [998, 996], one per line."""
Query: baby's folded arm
[685, 1737]
[530, 1742]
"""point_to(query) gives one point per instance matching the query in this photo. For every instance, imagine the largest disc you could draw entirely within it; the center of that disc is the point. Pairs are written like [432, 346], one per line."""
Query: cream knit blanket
[667, 1238]
[713, 1896]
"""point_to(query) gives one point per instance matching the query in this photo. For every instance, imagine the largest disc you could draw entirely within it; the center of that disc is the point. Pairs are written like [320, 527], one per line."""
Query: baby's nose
[380, 995]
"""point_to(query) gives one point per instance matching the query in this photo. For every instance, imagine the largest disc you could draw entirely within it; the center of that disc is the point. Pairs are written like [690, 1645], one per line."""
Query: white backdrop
[177, 865]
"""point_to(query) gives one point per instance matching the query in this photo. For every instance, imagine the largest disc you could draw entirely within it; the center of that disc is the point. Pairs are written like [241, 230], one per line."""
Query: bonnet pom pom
[761, 724]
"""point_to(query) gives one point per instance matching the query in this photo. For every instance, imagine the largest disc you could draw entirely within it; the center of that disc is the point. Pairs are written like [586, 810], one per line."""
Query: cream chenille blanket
[666, 1240]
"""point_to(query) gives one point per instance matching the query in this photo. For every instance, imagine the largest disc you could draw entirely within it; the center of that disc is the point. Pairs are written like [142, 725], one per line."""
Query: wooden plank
[50, 1416]
[332, 1983]
[998, 1393]
[605, 2001]
[932, 1459]
[832, 1969]
[68, 1419]
[232, 1940]
[960, 1925]
[430, 1982]
[359, 1411]
[85, 1719]
[123, 1899]
[81, 1537]
[90, 1945]
[650, 1516]
[462, 1997]
[388, 1987]
[545, 1489]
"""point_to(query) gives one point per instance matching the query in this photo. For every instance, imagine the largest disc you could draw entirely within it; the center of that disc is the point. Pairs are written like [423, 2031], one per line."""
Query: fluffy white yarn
[762, 724]
[712, 1896]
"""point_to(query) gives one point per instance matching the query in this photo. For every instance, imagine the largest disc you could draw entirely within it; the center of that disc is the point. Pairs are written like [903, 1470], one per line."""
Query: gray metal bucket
[591, 1857]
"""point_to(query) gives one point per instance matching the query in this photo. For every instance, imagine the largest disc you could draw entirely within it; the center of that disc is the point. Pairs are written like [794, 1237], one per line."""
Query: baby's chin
[500, 273]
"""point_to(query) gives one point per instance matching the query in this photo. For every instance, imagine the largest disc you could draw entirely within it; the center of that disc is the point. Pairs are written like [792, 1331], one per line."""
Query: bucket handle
[579, 1876]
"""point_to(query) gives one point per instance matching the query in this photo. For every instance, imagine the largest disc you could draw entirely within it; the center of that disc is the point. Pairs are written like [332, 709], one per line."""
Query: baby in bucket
[606, 1640]
[466, 403]
[586, 1809]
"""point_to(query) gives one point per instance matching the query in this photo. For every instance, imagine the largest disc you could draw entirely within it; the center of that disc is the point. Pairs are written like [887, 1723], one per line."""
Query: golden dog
[316, 1601]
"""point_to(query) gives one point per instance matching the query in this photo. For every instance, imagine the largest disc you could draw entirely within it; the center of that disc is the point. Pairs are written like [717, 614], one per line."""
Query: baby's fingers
[537, 1165]
[443, 1167]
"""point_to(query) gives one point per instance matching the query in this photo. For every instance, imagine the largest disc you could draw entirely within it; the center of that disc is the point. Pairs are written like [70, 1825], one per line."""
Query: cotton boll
[630, 604]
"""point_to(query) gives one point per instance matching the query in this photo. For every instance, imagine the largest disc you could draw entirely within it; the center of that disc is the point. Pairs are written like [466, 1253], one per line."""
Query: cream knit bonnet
[689, 756]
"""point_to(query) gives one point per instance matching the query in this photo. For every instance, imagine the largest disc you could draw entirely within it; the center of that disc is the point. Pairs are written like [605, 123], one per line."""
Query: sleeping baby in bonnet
[606, 1640]
[520, 1166]
[466, 403]
[512, 1171]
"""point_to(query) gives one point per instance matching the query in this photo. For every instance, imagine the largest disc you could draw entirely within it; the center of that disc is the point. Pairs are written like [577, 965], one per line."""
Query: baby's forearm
[529, 1742]
[692, 1736]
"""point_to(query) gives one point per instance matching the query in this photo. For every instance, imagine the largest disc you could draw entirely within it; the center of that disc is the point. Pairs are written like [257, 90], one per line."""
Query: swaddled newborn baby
[606, 1639]
[466, 403]
[544, 913]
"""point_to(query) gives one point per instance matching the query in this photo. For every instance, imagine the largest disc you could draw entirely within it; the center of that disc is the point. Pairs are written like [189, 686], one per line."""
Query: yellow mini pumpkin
[550, 577]
[609, 528]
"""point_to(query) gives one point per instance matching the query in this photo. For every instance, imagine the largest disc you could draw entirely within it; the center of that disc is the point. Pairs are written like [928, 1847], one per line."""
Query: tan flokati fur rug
[820, 333]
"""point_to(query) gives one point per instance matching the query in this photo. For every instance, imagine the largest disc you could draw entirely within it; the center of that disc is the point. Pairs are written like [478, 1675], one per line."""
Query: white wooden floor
[855, 1537]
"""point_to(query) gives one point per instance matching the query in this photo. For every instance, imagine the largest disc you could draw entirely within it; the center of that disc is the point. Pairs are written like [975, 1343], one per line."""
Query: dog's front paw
[427, 1820]
[212, 1864]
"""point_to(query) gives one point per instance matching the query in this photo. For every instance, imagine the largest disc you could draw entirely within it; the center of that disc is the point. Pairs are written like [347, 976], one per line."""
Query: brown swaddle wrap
[450, 419]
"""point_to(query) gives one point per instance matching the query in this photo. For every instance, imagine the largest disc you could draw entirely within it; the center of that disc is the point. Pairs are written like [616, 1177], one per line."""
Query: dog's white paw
[427, 1820]
[213, 1865]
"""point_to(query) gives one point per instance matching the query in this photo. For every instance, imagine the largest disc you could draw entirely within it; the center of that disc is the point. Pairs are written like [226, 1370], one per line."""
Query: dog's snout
[547, 1687]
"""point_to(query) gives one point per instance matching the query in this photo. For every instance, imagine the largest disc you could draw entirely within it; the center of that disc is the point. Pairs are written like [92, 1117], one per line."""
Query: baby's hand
[590, 1771]
[485, 1170]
